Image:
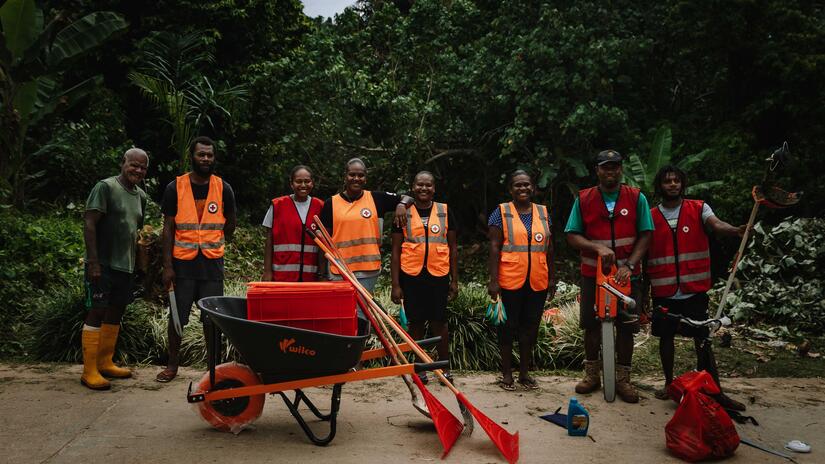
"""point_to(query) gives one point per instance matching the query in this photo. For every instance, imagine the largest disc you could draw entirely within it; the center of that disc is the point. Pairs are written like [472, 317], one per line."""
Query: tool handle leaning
[736, 260]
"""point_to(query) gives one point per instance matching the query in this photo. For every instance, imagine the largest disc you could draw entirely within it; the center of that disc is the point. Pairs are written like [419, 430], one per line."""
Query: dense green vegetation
[467, 89]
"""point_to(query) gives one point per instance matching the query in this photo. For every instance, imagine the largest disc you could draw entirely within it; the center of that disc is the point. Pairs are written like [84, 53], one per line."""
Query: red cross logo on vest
[313, 226]
[685, 229]
[434, 228]
[539, 237]
[366, 213]
[623, 212]
[212, 207]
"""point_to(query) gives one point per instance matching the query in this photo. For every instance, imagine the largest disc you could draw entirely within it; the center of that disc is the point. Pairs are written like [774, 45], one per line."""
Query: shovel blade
[506, 442]
[417, 402]
[446, 424]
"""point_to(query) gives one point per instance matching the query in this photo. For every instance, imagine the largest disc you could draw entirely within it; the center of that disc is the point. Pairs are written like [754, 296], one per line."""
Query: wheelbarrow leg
[335, 403]
[212, 337]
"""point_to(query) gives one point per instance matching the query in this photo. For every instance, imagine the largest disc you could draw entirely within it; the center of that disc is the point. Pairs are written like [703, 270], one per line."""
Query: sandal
[528, 383]
[449, 377]
[507, 386]
[661, 394]
[166, 375]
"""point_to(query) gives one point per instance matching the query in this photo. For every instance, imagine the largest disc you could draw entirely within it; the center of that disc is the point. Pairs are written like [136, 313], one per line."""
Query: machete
[173, 311]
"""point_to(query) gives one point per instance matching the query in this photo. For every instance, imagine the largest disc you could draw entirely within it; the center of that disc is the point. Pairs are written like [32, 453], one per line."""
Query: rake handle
[738, 257]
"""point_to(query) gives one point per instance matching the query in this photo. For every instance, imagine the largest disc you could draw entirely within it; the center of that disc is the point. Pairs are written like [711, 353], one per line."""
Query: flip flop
[166, 375]
[661, 394]
[506, 386]
[529, 383]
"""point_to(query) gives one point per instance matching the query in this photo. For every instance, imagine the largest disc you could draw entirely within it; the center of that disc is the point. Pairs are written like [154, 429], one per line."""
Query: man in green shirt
[610, 221]
[114, 214]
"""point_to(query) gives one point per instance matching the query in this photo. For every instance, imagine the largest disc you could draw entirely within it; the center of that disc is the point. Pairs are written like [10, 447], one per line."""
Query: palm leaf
[697, 188]
[83, 35]
[636, 176]
[49, 98]
[688, 162]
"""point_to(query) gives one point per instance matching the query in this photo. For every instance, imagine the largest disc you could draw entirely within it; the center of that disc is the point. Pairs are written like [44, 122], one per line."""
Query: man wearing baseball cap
[611, 221]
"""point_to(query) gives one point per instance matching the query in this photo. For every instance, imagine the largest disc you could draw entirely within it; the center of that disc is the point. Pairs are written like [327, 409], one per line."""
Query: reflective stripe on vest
[204, 233]
[430, 241]
[616, 230]
[520, 250]
[356, 232]
[679, 259]
[294, 253]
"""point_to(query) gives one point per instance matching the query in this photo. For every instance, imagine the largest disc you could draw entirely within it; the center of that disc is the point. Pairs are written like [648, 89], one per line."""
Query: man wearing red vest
[611, 221]
[678, 268]
[198, 217]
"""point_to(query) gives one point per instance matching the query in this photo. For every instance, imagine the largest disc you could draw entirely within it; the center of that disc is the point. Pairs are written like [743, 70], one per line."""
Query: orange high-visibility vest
[679, 259]
[430, 241]
[356, 233]
[521, 250]
[204, 233]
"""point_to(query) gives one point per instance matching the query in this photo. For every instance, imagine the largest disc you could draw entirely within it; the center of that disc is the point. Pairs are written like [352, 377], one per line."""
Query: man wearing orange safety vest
[198, 217]
[678, 269]
[611, 221]
[355, 220]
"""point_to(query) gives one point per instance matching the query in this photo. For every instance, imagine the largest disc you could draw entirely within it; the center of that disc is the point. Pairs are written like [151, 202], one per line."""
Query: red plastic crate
[320, 306]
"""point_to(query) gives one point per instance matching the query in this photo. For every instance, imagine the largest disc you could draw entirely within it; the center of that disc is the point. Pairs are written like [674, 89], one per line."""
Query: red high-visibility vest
[204, 233]
[294, 253]
[616, 231]
[679, 258]
[434, 242]
[520, 250]
[355, 232]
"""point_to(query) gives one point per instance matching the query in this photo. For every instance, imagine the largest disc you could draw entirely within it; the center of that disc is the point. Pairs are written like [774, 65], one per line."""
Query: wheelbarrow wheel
[233, 414]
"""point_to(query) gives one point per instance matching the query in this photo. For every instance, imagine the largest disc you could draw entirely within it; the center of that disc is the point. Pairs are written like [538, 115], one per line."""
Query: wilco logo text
[288, 345]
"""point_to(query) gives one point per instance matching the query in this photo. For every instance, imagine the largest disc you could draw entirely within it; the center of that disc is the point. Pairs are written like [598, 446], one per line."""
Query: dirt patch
[50, 417]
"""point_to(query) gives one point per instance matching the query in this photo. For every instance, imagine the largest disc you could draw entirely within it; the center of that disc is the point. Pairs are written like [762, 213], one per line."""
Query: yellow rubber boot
[108, 339]
[91, 377]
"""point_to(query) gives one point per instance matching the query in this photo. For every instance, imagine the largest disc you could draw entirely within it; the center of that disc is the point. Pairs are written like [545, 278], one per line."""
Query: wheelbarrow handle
[424, 367]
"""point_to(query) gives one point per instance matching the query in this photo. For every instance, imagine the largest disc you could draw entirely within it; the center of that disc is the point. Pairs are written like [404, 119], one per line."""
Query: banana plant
[641, 173]
[33, 57]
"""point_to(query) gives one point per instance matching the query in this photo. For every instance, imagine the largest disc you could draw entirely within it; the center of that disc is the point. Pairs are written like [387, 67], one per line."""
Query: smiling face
[134, 165]
[301, 184]
[671, 186]
[203, 160]
[355, 178]
[423, 188]
[521, 188]
[609, 174]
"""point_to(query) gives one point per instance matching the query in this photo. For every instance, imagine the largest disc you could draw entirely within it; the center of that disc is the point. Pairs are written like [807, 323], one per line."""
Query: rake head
[774, 197]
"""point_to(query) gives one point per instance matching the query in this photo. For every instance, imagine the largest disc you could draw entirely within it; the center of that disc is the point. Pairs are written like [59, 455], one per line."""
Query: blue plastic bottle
[578, 419]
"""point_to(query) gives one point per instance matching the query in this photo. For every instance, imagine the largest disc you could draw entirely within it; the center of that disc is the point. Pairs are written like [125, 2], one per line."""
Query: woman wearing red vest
[521, 273]
[290, 254]
[424, 264]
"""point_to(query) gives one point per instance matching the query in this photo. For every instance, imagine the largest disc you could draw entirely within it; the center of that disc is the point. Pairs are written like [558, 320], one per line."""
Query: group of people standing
[610, 221]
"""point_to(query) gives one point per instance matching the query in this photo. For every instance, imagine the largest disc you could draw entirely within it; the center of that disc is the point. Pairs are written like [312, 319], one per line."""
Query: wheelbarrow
[279, 359]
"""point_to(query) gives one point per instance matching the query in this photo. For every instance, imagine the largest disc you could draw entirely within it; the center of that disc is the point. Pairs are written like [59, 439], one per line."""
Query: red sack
[692, 381]
[700, 428]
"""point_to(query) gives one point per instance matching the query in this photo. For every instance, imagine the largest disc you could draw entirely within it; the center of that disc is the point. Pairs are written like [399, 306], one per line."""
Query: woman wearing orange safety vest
[355, 219]
[521, 273]
[290, 254]
[424, 264]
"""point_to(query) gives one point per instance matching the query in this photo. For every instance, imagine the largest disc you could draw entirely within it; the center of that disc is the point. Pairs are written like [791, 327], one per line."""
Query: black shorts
[113, 290]
[524, 308]
[587, 303]
[188, 291]
[425, 296]
[695, 307]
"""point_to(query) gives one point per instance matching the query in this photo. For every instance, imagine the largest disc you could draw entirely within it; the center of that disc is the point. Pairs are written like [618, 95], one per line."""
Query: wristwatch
[630, 266]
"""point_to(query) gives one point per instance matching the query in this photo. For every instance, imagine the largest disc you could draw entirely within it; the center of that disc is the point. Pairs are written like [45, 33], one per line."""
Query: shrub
[780, 276]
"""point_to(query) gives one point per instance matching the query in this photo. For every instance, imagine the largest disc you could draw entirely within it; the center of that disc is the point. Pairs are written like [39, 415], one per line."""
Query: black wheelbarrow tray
[280, 359]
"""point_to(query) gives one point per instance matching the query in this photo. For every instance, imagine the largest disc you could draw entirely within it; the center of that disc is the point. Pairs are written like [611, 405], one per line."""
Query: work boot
[91, 377]
[591, 381]
[627, 392]
[108, 339]
[729, 403]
